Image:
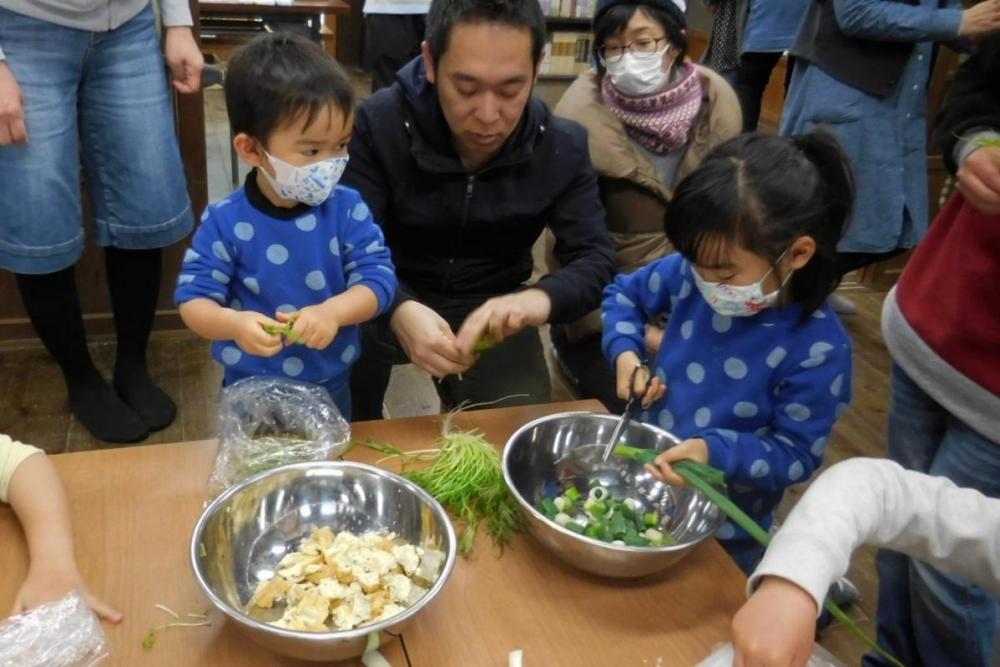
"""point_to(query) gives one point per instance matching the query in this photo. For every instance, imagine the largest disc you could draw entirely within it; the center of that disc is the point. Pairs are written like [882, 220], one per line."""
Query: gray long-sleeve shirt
[96, 15]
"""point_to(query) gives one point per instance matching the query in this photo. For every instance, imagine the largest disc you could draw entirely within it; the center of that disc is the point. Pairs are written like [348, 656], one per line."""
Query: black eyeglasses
[642, 47]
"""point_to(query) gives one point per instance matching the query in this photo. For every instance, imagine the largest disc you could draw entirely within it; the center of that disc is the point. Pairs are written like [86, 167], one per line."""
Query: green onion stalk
[464, 474]
[709, 480]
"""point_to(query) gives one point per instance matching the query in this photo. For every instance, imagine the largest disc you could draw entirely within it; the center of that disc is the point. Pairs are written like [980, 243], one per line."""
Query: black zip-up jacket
[973, 100]
[460, 237]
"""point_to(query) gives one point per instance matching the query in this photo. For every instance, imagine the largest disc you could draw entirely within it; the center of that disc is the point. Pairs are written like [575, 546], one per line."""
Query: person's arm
[202, 294]
[426, 338]
[897, 21]
[859, 501]
[877, 502]
[180, 48]
[586, 259]
[368, 273]
[37, 498]
[813, 389]
[973, 103]
[365, 174]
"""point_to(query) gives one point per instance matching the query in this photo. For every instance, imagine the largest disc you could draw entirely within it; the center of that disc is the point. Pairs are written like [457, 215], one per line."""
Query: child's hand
[313, 326]
[625, 364]
[51, 583]
[249, 334]
[694, 449]
[776, 626]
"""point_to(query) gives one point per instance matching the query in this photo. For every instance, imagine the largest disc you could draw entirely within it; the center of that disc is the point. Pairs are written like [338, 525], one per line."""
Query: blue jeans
[99, 97]
[924, 617]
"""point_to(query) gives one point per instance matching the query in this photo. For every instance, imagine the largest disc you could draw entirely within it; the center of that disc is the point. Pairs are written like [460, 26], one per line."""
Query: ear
[425, 49]
[249, 150]
[800, 252]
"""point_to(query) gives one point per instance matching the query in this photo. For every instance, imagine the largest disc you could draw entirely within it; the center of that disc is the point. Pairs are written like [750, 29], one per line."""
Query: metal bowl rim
[583, 538]
[318, 637]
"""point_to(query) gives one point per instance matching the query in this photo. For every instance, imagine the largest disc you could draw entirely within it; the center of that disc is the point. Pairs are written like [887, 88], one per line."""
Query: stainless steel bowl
[542, 457]
[246, 531]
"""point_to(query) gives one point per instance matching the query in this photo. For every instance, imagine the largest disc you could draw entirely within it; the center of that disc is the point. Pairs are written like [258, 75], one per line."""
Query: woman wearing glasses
[651, 116]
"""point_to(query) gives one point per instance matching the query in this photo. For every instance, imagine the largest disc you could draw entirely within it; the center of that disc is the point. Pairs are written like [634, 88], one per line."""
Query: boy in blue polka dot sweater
[282, 271]
[754, 368]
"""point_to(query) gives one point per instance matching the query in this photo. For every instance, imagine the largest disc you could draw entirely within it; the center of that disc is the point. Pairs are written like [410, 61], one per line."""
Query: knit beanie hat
[676, 8]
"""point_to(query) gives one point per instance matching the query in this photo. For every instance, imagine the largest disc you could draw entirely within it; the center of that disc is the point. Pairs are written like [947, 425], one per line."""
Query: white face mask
[739, 300]
[312, 184]
[638, 75]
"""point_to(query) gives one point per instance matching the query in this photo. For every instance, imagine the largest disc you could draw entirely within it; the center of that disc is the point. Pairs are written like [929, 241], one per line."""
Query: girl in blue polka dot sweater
[754, 368]
[291, 249]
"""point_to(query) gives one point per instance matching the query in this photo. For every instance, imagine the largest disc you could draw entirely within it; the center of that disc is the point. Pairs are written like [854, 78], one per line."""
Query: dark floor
[33, 402]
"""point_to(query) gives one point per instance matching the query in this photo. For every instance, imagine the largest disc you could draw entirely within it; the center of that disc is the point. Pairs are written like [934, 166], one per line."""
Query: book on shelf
[581, 9]
[567, 53]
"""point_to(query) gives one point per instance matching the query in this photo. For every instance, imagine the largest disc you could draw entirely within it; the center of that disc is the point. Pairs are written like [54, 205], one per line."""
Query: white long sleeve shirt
[877, 502]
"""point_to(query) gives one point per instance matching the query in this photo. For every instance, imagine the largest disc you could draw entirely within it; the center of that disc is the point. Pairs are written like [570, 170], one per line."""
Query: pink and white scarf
[662, 122]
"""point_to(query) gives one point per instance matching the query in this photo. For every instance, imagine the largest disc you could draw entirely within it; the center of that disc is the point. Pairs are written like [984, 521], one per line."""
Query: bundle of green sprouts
[464, 474]
[601, 517]
[709, 480]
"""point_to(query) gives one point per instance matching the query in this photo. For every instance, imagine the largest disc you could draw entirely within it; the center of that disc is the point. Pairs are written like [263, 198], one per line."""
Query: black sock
[134, 282]
[53, 305]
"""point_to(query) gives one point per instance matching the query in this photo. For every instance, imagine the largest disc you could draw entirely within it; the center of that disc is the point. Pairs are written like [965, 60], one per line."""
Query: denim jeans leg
[40, 218]
[917, 425]
[955, 623]
[131, 156]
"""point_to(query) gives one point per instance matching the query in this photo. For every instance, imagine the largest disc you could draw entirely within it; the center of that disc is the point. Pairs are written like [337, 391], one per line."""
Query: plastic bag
[65, 633]
[722, 656]
[267, 422]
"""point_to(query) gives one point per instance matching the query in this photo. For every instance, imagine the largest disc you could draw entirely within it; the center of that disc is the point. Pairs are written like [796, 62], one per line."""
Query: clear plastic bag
[65, 633]
[267, 422]
[722, 656]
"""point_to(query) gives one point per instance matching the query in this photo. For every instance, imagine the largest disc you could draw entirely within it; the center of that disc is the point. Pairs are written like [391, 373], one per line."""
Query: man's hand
[248, 332]
[980, 19]
[428, 340]
[694, 449]
[314, 326]
[184, 59]
[49, 582]
[12, 127]
[776, 626]
[503, 316]
[979, 179]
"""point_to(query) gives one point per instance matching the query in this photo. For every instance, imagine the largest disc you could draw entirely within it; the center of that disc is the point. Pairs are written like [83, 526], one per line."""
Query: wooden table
[134, 510]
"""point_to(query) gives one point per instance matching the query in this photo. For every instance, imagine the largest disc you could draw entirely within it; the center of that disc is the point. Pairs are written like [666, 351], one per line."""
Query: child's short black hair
[444, 14]
[278, 78]
[614, 20]
[762, 192]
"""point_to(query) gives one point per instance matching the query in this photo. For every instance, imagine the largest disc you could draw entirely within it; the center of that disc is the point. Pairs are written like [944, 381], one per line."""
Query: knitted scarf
[662, 122]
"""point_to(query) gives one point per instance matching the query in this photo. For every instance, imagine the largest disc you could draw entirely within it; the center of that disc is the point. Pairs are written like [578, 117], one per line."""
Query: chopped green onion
[572, 493]
[650, 519]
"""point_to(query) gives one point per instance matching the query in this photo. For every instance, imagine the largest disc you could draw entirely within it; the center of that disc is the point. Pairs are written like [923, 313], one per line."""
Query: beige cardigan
[633, 196]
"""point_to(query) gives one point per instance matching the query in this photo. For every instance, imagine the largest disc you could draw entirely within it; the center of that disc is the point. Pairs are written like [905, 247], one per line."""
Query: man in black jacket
[464, 170]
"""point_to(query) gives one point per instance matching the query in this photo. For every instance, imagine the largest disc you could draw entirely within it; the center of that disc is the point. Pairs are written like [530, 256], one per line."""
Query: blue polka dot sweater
[245, 257]
[763, 391]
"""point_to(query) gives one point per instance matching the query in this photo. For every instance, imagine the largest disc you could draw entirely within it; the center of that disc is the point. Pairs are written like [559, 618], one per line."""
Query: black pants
[751, 81]
[514, 367]
[587, 370]
[391, 41]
